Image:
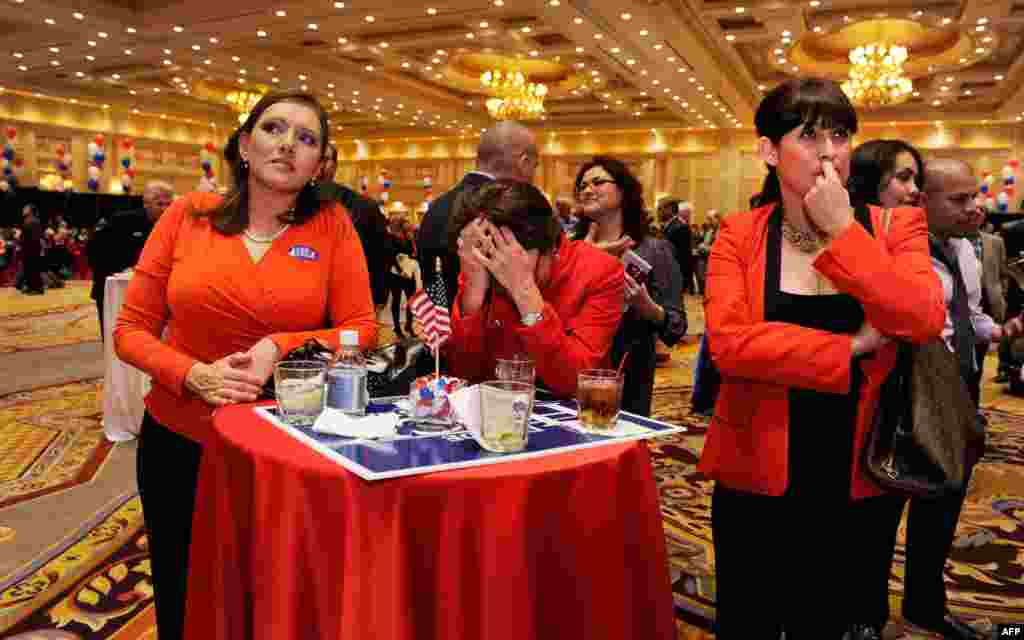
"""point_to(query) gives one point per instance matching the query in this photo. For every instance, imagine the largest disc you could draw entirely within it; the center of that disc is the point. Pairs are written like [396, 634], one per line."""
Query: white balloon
[94, 172]
[92, 149]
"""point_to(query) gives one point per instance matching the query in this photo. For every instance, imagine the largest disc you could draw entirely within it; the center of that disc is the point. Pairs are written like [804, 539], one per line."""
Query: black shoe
[948, 626]
[33, 292]
[861, 631]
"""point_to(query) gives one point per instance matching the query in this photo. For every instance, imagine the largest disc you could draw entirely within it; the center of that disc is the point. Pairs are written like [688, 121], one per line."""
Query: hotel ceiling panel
[409, 69]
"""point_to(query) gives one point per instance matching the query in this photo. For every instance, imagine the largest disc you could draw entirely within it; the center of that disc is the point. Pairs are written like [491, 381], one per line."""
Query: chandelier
[516, 97]
[243, 102]
[876, 75]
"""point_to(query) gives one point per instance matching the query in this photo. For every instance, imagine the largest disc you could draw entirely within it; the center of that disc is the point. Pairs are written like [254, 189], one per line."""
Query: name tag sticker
[302, 252]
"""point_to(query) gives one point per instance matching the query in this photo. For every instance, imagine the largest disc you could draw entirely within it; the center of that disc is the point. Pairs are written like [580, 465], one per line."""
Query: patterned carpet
[96, 585]
[61, 317]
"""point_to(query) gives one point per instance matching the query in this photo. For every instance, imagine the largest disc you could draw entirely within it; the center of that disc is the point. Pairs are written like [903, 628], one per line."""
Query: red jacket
[892, 278]
[583, 302]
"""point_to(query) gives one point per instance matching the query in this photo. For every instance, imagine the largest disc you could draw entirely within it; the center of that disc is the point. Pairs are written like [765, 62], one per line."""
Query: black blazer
[115, 245]
[432, 237]
[372, 228]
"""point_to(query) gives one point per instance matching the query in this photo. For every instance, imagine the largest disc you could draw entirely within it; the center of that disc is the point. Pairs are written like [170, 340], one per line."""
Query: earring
[312, 183]
[245, 164]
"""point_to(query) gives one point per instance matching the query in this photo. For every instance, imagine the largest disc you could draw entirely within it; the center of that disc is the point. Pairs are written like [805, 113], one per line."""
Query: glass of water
[299, 386]
[519, 368]
[505, 407]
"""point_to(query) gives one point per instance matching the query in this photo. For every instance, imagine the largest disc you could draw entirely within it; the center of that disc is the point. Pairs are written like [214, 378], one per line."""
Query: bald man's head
[508, 150]
[951, 191]
[156, 197]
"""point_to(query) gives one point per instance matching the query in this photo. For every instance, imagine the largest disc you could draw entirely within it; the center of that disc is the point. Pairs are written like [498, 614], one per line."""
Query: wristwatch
[530, 319]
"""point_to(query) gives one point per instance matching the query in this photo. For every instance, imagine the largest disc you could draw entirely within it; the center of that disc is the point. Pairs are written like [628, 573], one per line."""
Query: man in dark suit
[117, 240]
[32, 251]
[506, 150]
[678, 232]
[369, 221]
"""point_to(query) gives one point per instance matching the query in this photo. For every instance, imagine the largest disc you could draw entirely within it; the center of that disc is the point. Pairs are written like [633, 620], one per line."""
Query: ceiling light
[90, 58]
[554, 3]
[816, 30]
[615, 49]
[55, 63]
[484, 25]
[979, 28]
[339, 5]
[947, 20]
[54, 49]
[999, 77]
[786, 34]
[81, 16]
[659, 47]
[936, 103]
[214, 40]
[369, 18]
[730, 37]
[235, 58]
[598, 36]
[979, 50]
[578, 20]
[133, 92]
[207, 61]
[431, 11]
[470, 35]
[982, 20]
[406, 65]
[102, 34]
[50, 21]
[128, 52]
[177, 29]
[740, 9]
[22, 67]
[116, 76]
[644, 32]
[280, 13]
[369, 67]
[261, 33]
[312, 26]
[166, 61]
[786, 41]
[535, 53]
[814, 3]
[342, 40]
[91, 43]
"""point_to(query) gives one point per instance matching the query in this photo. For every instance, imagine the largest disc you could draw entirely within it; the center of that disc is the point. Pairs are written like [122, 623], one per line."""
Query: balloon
[12, 133]
[1009, 189]
[206, 164]
[8, 152]
[61, 149]
[8, 171]
[19, 163]
[94, 172]
[984, 187]
[61, 167]
[1009, 180]
[92, 148]
[209, 173]
[131, 173]
[99, 157]
[1007, 171]
[127, 144]
[1014, 163]
[93, 184]
[126, 162]
[210, 147]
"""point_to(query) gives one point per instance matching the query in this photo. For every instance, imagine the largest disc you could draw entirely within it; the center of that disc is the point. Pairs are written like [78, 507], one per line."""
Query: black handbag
[926, 433]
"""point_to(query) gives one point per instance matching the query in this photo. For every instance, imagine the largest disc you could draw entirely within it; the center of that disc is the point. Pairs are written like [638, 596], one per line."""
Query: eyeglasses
[596, 182]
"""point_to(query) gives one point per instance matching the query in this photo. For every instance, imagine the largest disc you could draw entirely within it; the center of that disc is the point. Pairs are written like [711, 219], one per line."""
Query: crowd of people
[845, 252]
[55, 252]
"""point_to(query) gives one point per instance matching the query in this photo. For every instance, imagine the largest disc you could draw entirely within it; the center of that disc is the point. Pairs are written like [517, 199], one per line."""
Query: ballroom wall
[713, 169]
[164, 148]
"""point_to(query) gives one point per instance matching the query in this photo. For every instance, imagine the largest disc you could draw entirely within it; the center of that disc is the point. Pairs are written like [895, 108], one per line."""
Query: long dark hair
[520, 206]
[808, 101]
[634, 215]
[871, 162]
[231, 217]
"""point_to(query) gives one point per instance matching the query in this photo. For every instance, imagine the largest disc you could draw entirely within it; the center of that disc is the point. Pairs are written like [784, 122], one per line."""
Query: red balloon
[98, 140]
[131, 173]
[1014, 163]
[18, 162]
[12, 133]
[210, 147]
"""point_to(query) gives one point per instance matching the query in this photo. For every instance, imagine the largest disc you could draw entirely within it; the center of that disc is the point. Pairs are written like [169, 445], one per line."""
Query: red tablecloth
[287, 544]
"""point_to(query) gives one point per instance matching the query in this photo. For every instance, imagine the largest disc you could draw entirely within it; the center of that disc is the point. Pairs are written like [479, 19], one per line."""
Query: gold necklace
[804, 241]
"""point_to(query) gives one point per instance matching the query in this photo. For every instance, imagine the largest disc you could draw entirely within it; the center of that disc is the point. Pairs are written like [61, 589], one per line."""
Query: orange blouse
[202, 292]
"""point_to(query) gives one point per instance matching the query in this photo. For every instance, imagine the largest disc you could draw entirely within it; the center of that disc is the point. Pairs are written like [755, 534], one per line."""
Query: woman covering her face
[225, 288]
[802, 301]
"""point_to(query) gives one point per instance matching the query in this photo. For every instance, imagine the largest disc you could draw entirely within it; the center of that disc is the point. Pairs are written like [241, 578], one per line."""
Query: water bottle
[346, 379]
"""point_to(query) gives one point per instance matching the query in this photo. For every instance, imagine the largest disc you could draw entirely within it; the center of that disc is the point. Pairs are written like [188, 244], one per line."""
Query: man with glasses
[506, 150]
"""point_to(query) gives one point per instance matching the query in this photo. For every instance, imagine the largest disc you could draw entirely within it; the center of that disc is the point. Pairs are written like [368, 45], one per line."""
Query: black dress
[783, 556]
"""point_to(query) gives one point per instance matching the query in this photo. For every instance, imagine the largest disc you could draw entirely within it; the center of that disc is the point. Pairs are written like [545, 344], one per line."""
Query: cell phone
[636, 267]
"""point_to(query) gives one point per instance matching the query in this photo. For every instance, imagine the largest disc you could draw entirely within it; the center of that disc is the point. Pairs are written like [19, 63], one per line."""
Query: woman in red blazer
[799, 295]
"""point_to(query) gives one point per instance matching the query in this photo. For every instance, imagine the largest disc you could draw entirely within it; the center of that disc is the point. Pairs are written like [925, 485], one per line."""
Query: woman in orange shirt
[799, 295]
[225, 287]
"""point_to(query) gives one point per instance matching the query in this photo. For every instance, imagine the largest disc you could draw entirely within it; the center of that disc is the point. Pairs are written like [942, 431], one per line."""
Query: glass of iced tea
[599, 397]
[299, 387]
[505, 408]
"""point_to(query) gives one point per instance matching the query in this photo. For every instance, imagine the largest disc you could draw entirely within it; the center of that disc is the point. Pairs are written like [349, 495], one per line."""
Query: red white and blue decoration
[207, 153]
[96, 156]
[127, 164]
[10, 163]
[62, 164]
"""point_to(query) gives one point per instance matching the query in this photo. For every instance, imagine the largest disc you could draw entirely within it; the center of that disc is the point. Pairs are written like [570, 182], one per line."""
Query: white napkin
[373, 425]
[466, 405]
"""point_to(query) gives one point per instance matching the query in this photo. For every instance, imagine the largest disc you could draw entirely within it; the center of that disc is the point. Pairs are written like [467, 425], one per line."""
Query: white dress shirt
[970, 269]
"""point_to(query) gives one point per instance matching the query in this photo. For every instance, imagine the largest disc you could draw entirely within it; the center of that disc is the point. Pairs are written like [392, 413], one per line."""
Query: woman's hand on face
[224, 382]
[613, 247]
[474, 235]
[511, 265]
[868, 339]
[827, 204]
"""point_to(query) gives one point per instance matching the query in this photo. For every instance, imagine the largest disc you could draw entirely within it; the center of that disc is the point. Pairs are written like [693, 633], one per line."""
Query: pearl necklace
[804, 241]
[267, 240]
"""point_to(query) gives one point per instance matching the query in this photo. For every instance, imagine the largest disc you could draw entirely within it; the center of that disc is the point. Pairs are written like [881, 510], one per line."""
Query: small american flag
[430, 306]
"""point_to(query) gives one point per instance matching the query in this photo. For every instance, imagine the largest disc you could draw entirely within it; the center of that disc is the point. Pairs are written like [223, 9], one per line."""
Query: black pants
[762, 547]
[398, 285]
[168, 472]
[876, 521]
[931, 527]
[974, 384]
[33, 272]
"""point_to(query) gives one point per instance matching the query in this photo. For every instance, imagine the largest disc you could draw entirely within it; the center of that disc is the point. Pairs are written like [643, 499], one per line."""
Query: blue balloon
[206, 165]
[8, 152]
[1009, 180]
[984, 188]
[99, 157]
[93, 184]
[126, 162]
[8, 171]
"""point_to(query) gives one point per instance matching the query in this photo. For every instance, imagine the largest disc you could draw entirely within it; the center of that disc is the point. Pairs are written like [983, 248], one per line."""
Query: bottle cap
[349, 338]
